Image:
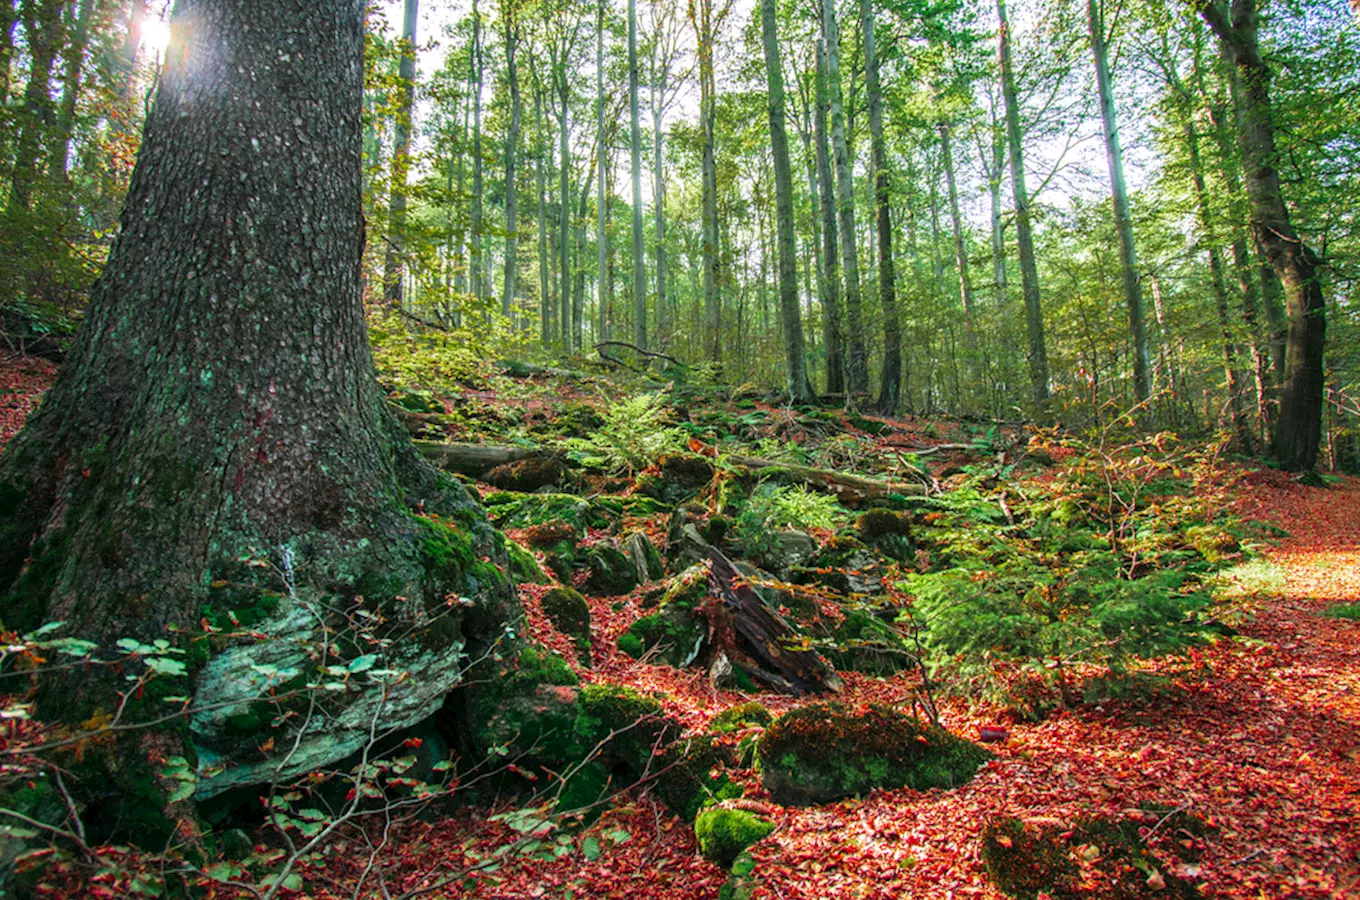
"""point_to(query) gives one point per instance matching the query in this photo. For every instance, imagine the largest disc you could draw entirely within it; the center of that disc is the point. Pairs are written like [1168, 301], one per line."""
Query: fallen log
[850, 490]
[475, 460]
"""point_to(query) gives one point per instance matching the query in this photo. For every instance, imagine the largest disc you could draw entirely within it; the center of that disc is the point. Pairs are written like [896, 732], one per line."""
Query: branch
[637, 349]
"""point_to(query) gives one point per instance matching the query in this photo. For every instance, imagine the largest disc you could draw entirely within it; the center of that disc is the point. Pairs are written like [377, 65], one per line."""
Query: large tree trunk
[890, 389]
[1298, 429]
[702, 19]
[602, 200]
[833, 335]
[790, 315]
[394, 261]
[60, 153]
[219, 410]
[1024, 238]
[1119, 195]
[857, 360]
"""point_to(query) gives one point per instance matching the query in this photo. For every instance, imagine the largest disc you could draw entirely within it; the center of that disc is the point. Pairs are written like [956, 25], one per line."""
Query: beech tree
[217, 424]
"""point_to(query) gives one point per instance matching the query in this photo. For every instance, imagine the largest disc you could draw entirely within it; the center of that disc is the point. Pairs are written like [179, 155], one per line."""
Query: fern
[636, 432]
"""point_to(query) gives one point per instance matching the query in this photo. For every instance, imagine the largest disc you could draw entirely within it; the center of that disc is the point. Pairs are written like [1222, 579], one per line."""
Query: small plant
[771, 509]
[636, 432]
[1343, 611]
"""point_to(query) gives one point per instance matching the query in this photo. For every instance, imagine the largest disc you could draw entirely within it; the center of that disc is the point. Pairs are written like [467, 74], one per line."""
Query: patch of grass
[1349, 611]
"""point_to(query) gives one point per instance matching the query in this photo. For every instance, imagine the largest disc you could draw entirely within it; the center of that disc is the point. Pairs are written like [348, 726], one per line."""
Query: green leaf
[590, 849]
[363, 663]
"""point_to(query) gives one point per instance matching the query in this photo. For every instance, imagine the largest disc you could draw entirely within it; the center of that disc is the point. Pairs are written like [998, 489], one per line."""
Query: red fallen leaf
[413, 742]
[989, 734]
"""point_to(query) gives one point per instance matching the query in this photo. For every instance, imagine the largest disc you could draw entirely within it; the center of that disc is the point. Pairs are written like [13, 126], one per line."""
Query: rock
[611, 571]
[724, 834]
[828, 751]
[685, 546]
[673, 634]
[524, 568]
[794, 548]
[647, 564]
[569, 614]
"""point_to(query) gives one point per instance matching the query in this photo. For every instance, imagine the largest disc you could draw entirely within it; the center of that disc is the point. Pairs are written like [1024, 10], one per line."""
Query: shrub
[636, 432]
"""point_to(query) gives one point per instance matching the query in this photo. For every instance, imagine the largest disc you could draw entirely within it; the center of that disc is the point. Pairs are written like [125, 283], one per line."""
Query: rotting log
[476, 460]
[850, 490]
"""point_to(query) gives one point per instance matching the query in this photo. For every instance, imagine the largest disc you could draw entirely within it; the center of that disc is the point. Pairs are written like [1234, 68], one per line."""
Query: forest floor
[1258, 736]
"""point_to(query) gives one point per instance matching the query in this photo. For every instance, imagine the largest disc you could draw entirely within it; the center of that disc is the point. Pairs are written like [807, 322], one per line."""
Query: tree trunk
[635, 161]
[890, 388]
[602, 201]
[708, 114]
[833, 332]
[42, 31]
[478, 265]
[790, 314]
[857, 360]
[511, 145]
[60, 153]
[663, 315]
[544, 307]
[394, 262]
[1119, 195]
[1298, 430]
[570, 327]
[1024, 238]
[217, 432]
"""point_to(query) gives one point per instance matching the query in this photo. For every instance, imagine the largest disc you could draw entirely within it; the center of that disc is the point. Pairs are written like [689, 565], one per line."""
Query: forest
[720, 448]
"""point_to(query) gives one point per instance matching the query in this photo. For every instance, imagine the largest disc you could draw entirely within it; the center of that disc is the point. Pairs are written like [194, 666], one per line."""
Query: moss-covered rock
[524, 568]
[674, 633]
[744, 715]
[723, 834]
[611, 571]
[888, 532]
[1023, 860]
[690, 774]
[568, 611]
[827, 751]
[642, 553]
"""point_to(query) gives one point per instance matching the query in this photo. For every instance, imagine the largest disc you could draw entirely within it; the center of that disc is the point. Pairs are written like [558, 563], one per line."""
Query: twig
[637, 349]
[1248, 858]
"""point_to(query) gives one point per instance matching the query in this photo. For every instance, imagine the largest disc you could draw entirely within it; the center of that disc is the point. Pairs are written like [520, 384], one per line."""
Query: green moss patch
[724, 833]
[827, 751]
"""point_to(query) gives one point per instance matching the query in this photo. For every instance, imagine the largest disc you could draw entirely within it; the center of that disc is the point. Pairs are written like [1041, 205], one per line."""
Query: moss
[724, 833]
[527, 474]
[878, 522]
[584, 787]
[674, 632]
[690, 777]
[524, 568]
[1024, 860]
[569, 614]
[826, 751]
[865, 644]
[611, 571]
[741, 716]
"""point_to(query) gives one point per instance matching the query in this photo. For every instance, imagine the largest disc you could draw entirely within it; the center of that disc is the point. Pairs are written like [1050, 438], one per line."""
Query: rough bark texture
[790, 315]
[1298, 430]
[1024, 238]
[219, 404]
[635, 168]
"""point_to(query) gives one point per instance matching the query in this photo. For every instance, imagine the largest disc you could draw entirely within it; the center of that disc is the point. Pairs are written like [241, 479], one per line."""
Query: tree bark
[60, 153]
[702, 19]
[790, 313]
[1024, 238]
[1119, 196]
[663, 315]
[1298, 430]
[219, 403]
[635, 161]
[478, 264]
[890, 387]
[394, 262]
[511, 145]
[857, 358]
[833, 331]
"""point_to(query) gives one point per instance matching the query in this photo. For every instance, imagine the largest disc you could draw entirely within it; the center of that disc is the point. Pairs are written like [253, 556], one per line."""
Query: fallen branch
[637, 349]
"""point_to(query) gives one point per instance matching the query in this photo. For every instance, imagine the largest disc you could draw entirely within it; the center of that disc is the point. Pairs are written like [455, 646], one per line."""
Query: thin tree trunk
[890, 387]
[1024, 238]
[602, 201]
[790, 313]
[541, 188]
[1119, 195]
[478, 265]
[394, 259]
[834, 334]
[635, 161]
[956, 221]
[570, 327]
[663, 316]
[703, 26]
[42, 31]
[60, 153]
[857, 359]
[511, 144]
